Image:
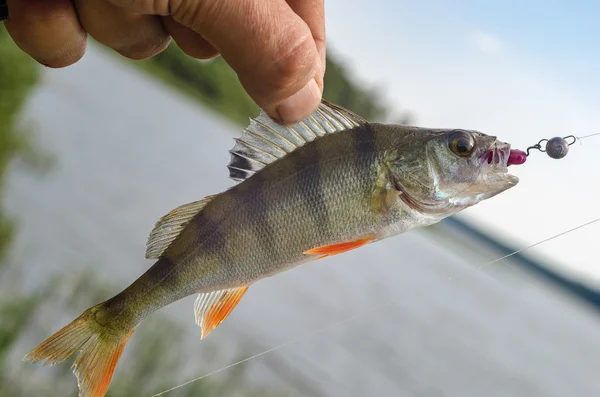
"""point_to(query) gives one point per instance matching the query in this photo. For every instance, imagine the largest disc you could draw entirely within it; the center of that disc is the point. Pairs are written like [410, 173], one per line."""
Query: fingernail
[300, 105]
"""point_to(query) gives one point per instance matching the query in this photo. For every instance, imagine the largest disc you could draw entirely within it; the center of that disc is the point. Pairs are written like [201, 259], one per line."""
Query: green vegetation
[339, 89]
[213, 83]
[216, 85]
[18, 75]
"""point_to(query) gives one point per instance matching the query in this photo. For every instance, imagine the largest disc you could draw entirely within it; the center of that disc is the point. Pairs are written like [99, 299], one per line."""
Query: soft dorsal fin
[211, 308]
[265, 141]
[170, 225]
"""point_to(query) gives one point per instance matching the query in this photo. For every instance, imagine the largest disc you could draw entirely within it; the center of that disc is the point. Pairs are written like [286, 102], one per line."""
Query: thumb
[269, 46]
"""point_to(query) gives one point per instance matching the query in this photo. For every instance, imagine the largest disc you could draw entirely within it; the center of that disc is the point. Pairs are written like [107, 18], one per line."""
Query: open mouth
[498, 155]
[502, 155]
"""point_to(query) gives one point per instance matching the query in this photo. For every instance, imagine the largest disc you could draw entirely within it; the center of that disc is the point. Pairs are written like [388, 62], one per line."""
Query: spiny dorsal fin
[211, 308]
[169, 226]
[264, 141]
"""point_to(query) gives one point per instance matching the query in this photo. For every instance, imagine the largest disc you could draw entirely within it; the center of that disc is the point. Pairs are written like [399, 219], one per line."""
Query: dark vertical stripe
[213, 240]
[364, 139]
[310, 184]
[364, 145]
[263, 230]
[163, 275]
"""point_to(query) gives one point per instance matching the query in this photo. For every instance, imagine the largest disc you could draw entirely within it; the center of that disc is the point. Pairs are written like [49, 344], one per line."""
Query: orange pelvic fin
[211, 308]
[334, 249]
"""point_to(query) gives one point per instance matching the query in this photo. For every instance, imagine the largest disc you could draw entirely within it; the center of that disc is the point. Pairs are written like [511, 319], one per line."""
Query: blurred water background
[95, 153]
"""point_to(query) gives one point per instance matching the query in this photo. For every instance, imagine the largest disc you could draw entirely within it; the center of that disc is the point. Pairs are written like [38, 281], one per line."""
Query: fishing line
[588, 136]
[348, 319]
[281, 346]
[538, 243]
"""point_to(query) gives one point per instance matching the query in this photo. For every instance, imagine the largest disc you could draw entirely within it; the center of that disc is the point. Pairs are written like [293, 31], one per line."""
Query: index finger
[49, 31]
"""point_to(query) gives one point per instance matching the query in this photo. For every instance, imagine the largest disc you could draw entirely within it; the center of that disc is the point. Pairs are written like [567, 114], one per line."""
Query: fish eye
[461, 143]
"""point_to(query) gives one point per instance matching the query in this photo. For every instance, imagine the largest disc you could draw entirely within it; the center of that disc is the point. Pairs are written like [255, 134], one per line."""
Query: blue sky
[558, 37]
[519, 70]
[561, 36]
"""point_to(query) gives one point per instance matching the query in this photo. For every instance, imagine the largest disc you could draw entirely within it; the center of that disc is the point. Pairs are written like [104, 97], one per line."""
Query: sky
[521, 71]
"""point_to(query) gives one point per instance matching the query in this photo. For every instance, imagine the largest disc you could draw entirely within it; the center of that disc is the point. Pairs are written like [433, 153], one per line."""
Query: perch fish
[329, 184]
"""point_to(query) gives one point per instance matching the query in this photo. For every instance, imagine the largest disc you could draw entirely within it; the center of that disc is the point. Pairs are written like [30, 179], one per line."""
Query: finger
[133, 35]
[151, 7]
[189, 41]
[48, 31]
[269, 46]
[313, 13]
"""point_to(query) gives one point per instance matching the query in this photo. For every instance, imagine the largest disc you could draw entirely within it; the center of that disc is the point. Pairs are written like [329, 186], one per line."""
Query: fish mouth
[498, 158]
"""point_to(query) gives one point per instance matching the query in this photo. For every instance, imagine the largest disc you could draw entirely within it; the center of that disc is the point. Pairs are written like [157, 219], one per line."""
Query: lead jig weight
[556, 148]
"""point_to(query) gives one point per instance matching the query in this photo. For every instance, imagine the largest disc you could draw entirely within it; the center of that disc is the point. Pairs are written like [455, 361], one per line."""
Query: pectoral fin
[211, 308]
[334, 249]
[385, 193]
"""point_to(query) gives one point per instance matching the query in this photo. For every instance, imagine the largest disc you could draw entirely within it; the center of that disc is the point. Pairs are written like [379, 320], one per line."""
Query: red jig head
[516, 157]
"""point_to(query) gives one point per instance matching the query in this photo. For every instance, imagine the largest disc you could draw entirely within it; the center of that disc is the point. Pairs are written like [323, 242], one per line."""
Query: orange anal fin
[211, 308]
[334, 249]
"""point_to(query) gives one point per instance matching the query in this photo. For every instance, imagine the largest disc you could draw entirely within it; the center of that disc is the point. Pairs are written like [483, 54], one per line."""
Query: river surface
[129, 150]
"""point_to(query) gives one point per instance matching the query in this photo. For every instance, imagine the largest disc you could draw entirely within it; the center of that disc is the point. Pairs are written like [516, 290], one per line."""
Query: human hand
[277, 47]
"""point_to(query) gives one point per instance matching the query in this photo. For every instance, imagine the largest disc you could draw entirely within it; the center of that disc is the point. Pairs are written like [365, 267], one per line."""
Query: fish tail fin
[100, 349]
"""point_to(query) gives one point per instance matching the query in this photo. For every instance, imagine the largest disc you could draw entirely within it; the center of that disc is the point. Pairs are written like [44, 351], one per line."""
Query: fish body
[319, 195]
[329, 184]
